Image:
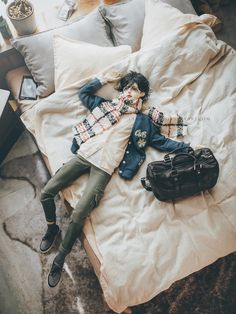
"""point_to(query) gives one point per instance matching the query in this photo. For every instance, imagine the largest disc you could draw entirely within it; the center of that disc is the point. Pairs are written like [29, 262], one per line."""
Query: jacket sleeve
[86, 94]
[165, 144]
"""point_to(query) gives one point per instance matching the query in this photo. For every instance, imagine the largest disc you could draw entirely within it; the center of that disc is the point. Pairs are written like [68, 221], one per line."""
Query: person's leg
[62, 178]
[94, 191]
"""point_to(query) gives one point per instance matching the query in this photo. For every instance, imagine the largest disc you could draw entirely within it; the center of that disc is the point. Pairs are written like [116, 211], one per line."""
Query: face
[132, 92]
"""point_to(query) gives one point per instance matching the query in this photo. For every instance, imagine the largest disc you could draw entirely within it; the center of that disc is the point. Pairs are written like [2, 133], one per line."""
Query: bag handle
[167, 156]
[183, 154]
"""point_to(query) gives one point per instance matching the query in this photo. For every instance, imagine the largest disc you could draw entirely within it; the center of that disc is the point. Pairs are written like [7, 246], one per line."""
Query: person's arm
[168, 124]
[86, 94]
[166, 144]
[154, 114]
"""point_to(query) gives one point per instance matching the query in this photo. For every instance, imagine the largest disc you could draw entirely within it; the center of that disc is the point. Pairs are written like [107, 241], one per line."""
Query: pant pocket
[83, 209]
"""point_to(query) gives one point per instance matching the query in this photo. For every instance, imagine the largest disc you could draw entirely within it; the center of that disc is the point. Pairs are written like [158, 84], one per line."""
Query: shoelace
[56, 269]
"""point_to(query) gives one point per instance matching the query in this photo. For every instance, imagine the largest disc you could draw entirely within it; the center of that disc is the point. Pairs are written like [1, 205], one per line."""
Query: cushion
[37, 49]
[161, 19]
[126, 19]
[75, 60]
[126, 22]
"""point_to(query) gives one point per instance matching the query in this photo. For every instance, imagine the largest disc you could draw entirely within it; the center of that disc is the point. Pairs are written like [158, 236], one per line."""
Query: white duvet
[146, 245]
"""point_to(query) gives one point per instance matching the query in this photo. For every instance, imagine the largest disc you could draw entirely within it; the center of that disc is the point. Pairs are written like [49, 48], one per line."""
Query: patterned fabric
[170, 126]
[109, 112]
[101, 118]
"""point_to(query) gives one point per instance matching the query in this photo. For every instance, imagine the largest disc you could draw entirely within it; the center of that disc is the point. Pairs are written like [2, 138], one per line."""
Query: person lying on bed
[115, 134]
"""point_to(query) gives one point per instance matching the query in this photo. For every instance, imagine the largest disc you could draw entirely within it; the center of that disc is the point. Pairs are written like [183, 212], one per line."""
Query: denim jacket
[144, 133]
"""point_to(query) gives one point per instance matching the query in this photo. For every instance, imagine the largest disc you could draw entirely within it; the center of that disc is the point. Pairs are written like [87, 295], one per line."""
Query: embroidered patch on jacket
[141, 137]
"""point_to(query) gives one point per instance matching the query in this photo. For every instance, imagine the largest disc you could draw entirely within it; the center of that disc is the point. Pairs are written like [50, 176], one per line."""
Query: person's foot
[49, 238]
[54, 275]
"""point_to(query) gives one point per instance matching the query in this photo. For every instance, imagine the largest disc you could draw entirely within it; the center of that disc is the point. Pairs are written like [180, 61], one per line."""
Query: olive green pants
[69, 172]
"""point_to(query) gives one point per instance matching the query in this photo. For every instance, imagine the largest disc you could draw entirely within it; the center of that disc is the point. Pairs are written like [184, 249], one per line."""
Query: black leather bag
[183, 175]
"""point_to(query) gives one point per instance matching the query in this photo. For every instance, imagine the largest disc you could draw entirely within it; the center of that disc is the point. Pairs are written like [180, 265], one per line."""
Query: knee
[97, 196]
[85, 207]
[45, 194]
[78, 218]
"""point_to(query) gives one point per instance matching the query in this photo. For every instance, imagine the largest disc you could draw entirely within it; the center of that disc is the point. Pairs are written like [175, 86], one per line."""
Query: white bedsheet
[146, 245]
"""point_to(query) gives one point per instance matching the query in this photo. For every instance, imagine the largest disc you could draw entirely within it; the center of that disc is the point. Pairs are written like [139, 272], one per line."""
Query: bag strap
[190, 156]
[167, 156]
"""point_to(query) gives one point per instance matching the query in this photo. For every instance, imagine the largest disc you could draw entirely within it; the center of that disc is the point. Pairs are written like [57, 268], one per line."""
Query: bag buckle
[197, 168]
[167, 158]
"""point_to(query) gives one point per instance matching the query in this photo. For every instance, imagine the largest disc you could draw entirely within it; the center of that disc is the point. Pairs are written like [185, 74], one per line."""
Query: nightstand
[10, 124]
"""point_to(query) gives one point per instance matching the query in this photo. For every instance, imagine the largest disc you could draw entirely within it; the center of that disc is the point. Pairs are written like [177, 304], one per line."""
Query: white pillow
[37, 49]
[126, 22]
[77, 60]
[126, 19]
[160, 20]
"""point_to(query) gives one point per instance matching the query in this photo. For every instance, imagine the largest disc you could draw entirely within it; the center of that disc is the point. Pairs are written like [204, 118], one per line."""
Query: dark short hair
[135, 77]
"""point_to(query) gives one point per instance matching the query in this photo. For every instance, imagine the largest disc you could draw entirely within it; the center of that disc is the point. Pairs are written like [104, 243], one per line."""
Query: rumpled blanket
[145, 245]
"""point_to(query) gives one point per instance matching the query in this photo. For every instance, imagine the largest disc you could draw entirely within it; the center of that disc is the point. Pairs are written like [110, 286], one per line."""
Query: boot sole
[56, 236]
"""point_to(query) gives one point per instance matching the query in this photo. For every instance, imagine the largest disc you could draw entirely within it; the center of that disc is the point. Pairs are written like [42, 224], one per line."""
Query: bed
[138, 245]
